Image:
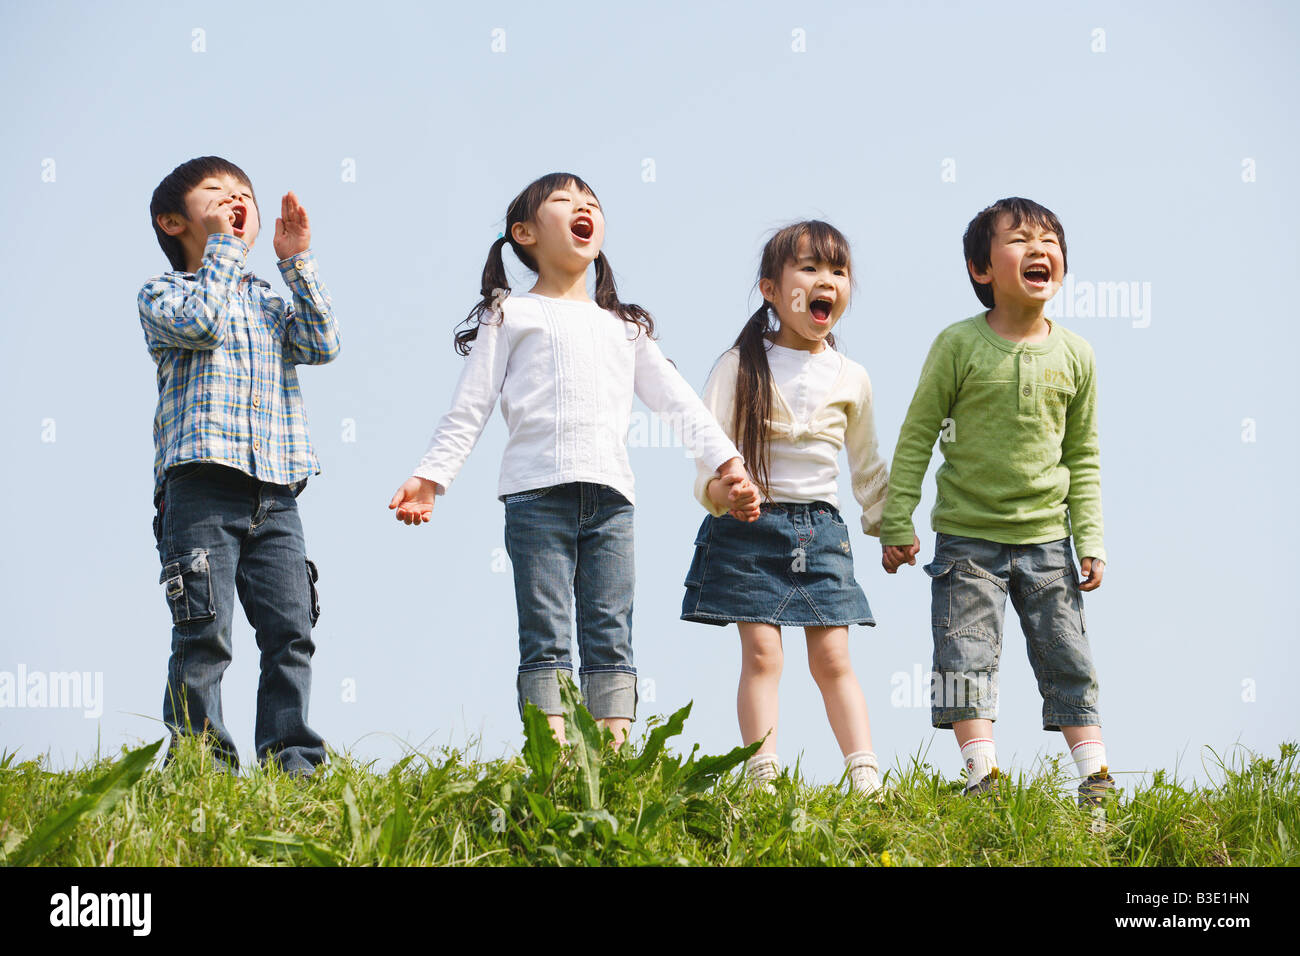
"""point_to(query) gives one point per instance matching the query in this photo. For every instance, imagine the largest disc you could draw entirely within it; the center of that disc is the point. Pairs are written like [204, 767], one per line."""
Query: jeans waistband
[801, 507]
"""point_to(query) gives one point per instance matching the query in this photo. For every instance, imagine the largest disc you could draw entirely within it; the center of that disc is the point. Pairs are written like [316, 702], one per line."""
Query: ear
[767, 289]
[172, 223]
[984, 277]
[522, 233]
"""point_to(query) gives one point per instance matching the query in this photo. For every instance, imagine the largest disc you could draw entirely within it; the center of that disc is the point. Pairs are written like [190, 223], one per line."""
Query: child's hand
[219, 215]
[894, 556]
[1093, 569]
[743, 499]
[292, 231]
[414, 500]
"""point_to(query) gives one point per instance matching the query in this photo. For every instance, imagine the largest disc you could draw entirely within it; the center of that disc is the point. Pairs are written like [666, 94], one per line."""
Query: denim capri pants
[571, 548]
[971, 579]
[793, 566]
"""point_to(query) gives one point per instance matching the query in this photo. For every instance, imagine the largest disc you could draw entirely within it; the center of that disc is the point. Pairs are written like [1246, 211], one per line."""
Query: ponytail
[753, 400]
[607, 298]
[494, 288]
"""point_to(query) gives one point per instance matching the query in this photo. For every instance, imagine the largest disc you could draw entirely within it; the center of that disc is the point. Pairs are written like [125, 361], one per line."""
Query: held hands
[893, 556]
[1093, 569]
[734, 490]
[414, 500]
[292, 231]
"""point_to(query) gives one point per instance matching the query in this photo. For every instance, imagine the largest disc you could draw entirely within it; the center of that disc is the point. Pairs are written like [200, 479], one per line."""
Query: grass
[586, 804]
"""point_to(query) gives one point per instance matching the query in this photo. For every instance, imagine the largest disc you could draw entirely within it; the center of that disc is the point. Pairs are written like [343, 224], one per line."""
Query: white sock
[979, 757]
[1089, 756]
[863, 771]
[762, 768]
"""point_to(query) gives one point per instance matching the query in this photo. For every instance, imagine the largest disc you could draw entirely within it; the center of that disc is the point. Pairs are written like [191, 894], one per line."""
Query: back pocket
[187, 583]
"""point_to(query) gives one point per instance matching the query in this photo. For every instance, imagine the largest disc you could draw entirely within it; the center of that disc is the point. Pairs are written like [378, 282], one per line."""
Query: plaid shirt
[226, 345]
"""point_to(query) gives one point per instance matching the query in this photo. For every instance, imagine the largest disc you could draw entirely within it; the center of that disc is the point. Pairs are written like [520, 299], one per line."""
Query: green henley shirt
[1017, 425]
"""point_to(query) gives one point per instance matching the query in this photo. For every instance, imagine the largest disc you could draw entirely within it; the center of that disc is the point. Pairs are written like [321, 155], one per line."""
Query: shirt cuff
[437, 477]
[301, 265]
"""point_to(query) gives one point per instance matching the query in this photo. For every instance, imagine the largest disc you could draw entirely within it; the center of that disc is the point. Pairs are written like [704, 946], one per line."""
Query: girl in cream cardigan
[790, 402]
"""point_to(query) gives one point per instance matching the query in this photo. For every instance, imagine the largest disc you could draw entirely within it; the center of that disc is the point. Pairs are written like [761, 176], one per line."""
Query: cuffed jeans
[572, 543]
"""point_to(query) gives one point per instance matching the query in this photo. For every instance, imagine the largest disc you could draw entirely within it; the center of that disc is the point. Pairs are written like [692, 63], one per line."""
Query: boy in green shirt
[1012, 397]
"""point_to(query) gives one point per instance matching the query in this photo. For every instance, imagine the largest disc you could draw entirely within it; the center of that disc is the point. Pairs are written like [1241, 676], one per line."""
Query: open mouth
[1037, 275]
[820, 309]
[240, 214]
[583, 228]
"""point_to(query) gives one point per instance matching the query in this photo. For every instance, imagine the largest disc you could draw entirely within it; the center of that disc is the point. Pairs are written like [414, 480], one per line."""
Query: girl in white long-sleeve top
[565, 369]
[791, 402]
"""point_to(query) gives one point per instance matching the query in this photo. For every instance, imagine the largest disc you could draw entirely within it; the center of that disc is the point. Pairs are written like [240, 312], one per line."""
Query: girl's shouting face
[566, 233]
[811, 297]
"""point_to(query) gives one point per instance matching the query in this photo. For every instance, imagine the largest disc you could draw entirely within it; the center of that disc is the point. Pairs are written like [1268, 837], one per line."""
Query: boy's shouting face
[219, 203]
[1026, 265]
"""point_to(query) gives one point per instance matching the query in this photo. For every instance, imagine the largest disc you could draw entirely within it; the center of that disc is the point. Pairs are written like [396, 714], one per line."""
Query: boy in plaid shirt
[232, 453]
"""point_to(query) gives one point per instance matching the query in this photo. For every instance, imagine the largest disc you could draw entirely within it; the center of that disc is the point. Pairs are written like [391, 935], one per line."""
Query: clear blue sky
[1143, 149]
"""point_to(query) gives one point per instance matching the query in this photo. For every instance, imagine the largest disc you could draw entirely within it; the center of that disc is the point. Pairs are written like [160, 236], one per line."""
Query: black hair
[977, 243]
[170, 197]
[753, 402]
[495, 286]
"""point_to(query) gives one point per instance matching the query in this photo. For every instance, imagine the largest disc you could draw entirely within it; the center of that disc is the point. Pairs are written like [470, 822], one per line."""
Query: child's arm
[935, 393]
[311, 335]
[867, 470]
[664, 391]
[459, 429]
[1081, 454]
[713, 489]
[183, 314]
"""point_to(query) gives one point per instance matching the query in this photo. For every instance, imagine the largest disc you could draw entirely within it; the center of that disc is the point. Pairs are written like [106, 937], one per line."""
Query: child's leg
[1045, 593]
[198, 543]
[606, 578]
[832, 669]
[968, 590]
[761, 659]
[541, 539]
[276, 591]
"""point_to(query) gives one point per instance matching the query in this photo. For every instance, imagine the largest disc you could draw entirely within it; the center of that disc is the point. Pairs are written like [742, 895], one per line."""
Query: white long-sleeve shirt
[565, 372]
[820, 403]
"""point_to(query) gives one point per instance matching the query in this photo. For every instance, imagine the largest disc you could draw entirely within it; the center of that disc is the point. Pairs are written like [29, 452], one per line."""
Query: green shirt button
[1026, 358]
[1027, 389]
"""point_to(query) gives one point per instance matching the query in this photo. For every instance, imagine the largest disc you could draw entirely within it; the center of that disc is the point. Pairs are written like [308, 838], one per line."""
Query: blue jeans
[567, 542]
[971, 579]
[220, 531]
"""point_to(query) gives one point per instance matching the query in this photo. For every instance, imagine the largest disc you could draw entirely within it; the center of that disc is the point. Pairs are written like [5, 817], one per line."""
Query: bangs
[1026, 210]
[825, 244]
[526, 204]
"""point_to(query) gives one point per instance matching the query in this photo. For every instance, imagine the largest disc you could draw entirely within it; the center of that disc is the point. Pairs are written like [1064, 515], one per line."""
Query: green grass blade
[100, 796]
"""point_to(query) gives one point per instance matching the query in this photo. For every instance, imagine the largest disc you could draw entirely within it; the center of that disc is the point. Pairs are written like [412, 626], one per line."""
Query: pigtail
[607, 298]
[753, 401]
[494, 288]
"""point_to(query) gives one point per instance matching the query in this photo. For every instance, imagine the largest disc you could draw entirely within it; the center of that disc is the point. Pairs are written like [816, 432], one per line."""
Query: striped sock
[1089, 756]
[762, 768]
[979, 757]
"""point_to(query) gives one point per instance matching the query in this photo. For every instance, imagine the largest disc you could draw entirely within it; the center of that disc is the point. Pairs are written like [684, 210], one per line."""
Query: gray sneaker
[1095, 787]
[989, 786]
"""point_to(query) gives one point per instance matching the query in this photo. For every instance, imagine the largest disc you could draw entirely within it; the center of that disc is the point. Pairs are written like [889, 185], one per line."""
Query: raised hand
[414, 500]
[292, 231]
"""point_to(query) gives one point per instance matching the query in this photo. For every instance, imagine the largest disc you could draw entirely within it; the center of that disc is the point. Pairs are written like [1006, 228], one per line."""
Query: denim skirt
[793, 566]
